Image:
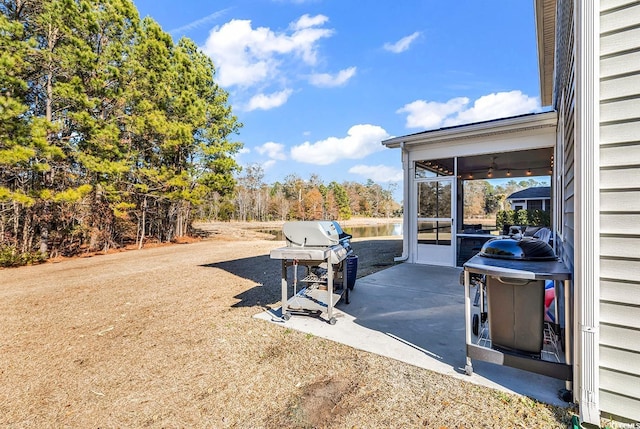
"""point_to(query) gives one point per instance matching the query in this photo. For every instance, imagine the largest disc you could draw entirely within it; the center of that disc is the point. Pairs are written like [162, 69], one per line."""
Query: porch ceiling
[534, 162]
[524, 163]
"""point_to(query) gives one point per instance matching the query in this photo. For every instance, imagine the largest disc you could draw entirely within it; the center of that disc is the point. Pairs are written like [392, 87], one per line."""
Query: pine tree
[105, 124]
[27, 155]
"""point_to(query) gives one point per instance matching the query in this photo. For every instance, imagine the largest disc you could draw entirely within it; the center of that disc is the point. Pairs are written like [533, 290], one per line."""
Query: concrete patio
[415, 314]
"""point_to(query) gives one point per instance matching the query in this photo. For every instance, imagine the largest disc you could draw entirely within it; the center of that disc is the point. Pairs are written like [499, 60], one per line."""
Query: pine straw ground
[164, 338]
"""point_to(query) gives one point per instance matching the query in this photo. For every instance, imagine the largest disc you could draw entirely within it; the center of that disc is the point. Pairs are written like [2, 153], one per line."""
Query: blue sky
[318, 84]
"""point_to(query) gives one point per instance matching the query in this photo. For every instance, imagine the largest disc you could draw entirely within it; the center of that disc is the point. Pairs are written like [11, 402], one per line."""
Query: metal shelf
[313, 278]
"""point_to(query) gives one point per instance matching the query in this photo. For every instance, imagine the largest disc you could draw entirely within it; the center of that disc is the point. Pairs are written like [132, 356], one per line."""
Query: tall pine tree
[107, 127]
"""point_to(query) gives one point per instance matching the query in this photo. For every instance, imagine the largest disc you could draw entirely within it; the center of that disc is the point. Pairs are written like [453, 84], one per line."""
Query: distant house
[587, 142]
[531, 199]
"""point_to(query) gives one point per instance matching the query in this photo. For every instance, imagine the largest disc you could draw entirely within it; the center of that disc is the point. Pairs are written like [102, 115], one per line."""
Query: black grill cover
[524, 249]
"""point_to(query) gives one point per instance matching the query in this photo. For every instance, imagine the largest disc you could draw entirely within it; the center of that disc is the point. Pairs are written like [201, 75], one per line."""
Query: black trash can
[352, 269]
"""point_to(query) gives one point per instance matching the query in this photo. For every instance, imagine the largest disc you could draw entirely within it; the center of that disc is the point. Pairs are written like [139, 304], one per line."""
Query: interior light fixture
[529, 172]
[508, 172]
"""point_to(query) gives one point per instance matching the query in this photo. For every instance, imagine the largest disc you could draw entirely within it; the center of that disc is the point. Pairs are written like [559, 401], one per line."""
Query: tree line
[483, 199]
[300, 199]
[109, 131]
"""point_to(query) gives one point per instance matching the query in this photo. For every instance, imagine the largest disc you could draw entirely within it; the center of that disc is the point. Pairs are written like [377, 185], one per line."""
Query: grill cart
[513, 275]
[321, 248]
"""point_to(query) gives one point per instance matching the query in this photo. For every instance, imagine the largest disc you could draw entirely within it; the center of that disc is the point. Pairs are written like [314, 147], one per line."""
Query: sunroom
[436, 165]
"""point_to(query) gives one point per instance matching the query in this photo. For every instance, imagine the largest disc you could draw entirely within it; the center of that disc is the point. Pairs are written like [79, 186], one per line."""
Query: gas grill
[322, 248]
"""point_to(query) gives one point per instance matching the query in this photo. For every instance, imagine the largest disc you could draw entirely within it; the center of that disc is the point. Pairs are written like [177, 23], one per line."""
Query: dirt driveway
[164, 337]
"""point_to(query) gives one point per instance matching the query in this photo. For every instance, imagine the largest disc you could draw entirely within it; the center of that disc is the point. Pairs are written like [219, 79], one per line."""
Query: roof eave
[493, 127]
[545, 18]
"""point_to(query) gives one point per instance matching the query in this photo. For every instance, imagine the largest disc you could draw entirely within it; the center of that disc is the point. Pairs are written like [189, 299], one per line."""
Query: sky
[318, 84]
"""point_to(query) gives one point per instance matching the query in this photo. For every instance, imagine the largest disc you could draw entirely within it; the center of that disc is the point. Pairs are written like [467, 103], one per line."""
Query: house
[538, 198]
[587, 139]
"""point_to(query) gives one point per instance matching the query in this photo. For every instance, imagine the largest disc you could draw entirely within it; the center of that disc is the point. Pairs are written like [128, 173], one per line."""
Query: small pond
[381, 230]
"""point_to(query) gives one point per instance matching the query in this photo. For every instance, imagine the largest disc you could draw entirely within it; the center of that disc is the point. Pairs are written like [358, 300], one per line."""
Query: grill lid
[314, 233]
[525, 249]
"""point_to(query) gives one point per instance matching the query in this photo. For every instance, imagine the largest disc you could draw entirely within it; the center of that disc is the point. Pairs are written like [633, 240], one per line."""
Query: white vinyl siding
[619, 156]
[625, 86]
[620, 208]
[611, 290]
[620, 110]
[618, 381]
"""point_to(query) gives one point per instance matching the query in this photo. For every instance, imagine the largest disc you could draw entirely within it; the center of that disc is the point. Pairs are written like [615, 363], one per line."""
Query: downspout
[404, 155]
[586, 309]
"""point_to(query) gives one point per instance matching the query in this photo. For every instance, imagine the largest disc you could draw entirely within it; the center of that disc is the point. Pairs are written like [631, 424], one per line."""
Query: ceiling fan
[493, 166]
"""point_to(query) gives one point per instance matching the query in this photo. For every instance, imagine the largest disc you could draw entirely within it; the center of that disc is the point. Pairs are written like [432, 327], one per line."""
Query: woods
[296, 198]
[483, 199]
[109, 131]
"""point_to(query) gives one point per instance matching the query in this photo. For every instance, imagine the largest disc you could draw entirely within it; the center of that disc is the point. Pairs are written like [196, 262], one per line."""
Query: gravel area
[164, 337]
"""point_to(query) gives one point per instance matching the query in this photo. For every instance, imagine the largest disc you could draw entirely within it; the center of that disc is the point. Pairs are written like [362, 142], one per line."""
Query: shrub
[10, 256]
[506, 218]
[522, 217]
[539, 218]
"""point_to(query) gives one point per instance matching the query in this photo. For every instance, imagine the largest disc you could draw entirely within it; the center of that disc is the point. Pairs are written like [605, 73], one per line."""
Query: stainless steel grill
[516, 272]
[321, 247]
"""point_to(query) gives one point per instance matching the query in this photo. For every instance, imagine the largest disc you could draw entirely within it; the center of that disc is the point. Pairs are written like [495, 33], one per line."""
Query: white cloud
[239, 155]
[268, 164]
[306, 21]
[268, 101]
[360, 141]
[378, 173]
[245, 56]
[272, 150]
[431, 114]
[199, 22]
[496, 105]
[402, 44]
[327, 80]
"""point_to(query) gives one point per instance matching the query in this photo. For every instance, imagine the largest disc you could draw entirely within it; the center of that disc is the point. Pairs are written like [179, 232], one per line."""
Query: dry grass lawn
[164, 338]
